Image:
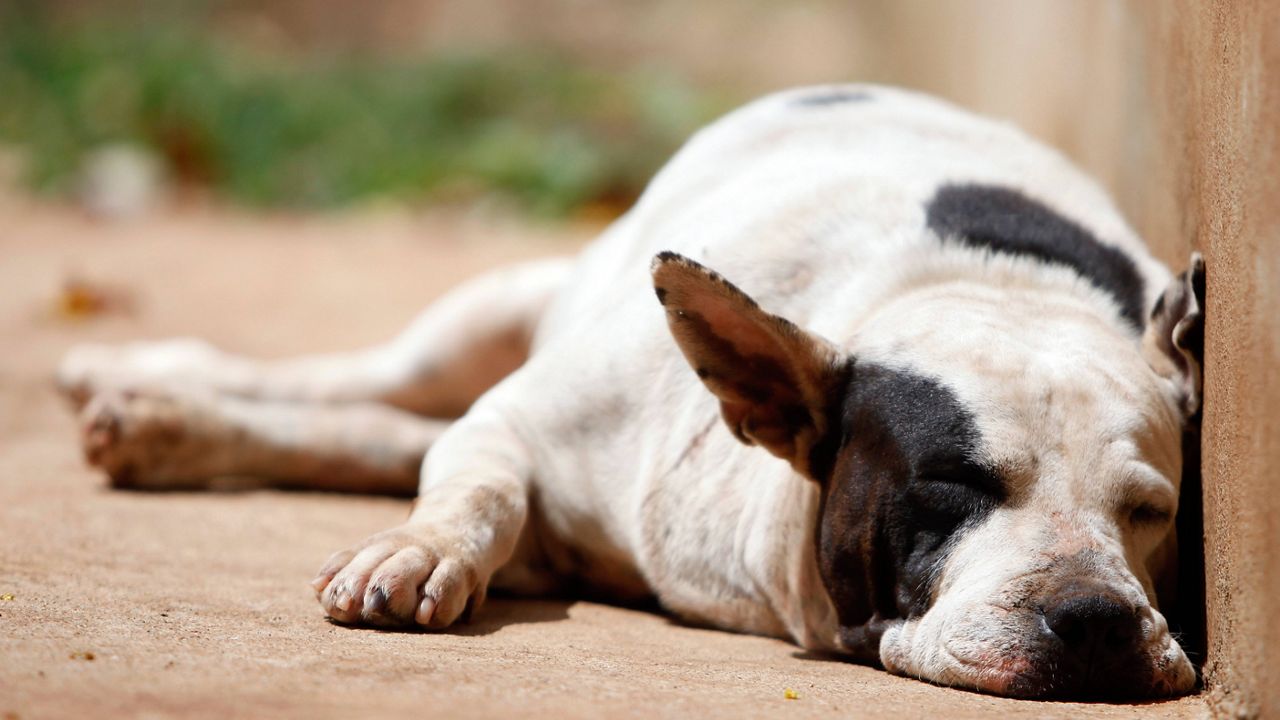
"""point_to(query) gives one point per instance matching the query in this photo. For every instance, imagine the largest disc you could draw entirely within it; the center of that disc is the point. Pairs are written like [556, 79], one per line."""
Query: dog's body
[976, 432]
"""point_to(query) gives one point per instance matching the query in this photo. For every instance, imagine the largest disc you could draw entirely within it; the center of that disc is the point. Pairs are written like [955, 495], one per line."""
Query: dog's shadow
[497, 613]
[501, 612]
[819, 656]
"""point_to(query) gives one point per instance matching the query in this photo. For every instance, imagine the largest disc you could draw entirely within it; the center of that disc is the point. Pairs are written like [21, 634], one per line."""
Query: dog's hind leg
[166, 441]
[460, 346]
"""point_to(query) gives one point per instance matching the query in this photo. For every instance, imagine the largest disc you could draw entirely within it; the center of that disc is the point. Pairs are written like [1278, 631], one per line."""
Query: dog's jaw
[959, 657]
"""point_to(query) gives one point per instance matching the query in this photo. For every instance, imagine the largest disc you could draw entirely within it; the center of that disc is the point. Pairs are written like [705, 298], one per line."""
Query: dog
[925, 411]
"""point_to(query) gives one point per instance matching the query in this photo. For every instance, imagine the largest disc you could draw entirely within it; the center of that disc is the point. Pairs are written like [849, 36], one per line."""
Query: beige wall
[1216, 91]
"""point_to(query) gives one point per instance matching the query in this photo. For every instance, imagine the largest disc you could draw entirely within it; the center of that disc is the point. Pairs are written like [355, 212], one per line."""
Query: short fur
[952, 347]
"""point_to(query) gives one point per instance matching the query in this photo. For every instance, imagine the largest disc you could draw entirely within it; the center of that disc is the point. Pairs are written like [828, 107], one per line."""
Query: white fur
[604, 456]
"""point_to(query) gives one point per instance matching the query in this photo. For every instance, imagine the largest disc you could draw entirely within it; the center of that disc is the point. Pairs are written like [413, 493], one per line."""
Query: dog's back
[806, 190]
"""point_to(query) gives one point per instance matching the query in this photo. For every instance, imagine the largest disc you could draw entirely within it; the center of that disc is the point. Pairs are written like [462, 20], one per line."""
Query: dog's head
[999, 479]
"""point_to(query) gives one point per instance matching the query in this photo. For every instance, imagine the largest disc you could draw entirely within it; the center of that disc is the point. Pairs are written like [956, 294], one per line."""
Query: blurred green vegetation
[326, 131]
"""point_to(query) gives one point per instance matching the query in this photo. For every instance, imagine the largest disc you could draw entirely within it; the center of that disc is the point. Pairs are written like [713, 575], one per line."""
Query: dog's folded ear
[778, 385]
[1174, 340]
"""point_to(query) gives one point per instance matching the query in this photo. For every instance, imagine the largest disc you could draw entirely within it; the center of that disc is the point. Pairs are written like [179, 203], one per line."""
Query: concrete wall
[1216, 90]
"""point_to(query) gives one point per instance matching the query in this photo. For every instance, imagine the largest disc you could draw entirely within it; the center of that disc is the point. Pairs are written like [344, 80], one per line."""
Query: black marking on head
[662, 295]
[833, 97]
[906, 477]
[1006, 221]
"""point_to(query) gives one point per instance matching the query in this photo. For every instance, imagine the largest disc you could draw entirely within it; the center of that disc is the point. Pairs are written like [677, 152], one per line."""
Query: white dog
[965, 376]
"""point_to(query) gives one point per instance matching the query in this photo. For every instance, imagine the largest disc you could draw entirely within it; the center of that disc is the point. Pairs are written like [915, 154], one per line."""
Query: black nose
[1094, 626]
[1091, 644]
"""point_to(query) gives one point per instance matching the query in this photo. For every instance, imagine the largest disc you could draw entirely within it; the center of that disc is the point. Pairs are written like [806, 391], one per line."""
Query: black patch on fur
[662, 295]
[906, 477]
[823, 454]
[1006, 221]
[833, 97]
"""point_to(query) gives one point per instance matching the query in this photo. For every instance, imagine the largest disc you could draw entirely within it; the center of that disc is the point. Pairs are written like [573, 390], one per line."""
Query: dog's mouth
[1056, 678]
[1026, 658]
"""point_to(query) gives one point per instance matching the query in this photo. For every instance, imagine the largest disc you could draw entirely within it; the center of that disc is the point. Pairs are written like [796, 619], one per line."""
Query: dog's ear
[1174, 340]
[778, 385]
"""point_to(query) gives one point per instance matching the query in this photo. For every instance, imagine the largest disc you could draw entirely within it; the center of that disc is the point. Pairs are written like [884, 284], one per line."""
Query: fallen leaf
[81, 299]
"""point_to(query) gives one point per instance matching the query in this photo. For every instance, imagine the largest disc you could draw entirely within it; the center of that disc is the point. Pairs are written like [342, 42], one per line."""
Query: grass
[320, 132]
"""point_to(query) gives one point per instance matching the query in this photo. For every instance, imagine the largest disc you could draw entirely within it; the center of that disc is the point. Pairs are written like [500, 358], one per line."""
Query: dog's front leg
[472, 506]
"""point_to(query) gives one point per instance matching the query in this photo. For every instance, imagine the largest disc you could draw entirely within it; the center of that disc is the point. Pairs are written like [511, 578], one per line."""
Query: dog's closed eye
[965, 473]
[1150, 515]
[951, 497]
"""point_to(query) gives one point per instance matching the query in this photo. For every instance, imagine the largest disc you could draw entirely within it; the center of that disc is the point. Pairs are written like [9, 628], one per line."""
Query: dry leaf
[81, 299]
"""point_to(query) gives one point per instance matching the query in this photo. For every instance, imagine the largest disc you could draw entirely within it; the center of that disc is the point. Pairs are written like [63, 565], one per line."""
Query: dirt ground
[196, 604]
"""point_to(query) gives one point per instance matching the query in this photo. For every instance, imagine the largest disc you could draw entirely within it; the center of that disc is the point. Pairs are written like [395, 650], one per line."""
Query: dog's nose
[1093, 624]
[1092, 643]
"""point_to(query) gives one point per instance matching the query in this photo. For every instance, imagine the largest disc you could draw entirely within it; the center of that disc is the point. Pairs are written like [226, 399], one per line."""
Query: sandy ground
[196, 604]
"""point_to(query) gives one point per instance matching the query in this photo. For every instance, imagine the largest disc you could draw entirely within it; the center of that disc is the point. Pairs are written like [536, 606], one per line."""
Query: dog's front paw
[407, 576]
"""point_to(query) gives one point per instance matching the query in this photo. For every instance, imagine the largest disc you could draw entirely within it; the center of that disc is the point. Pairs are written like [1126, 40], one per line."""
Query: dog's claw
[375, 602]
[426, 609]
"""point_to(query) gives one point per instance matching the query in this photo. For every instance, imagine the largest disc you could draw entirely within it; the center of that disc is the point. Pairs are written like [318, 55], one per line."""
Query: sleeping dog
[910, 391]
